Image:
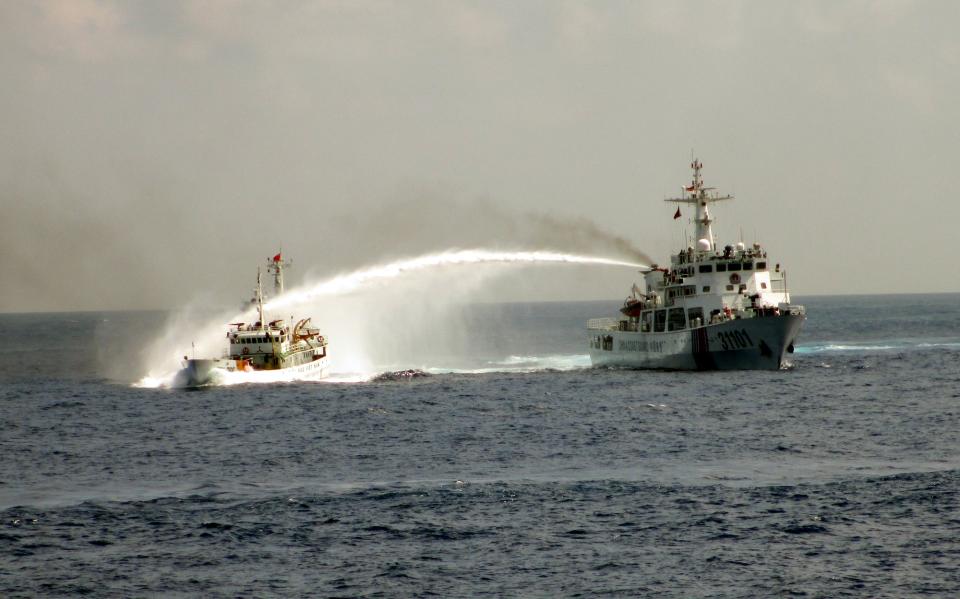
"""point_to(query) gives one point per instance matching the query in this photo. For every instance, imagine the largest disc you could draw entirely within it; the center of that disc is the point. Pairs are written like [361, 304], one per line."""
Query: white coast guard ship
[265, 351]
[712, 308]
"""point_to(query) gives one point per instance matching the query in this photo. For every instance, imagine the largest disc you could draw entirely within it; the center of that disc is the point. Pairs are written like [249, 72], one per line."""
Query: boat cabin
[705, 284]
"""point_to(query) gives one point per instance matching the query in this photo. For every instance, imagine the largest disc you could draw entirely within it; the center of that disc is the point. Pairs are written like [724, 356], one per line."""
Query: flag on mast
[677, 214]
[277, 258]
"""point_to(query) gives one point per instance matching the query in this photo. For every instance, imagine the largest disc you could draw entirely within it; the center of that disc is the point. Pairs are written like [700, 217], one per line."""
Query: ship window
[647, 321]
[733, 266]
[676, 320]
[729, 287]
[721, 267]
[706, 289]
[659, 320]
[695, 316]
[706, 268]
[748, 266]
[761, 266]
[763, 285]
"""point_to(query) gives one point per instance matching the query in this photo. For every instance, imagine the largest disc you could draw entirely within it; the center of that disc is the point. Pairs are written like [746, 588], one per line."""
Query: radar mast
[275, 267]
[701, 199]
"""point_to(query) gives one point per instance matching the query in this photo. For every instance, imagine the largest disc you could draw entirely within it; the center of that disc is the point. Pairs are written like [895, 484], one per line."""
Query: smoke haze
[151, 253]
[154, 152]
[425, 220]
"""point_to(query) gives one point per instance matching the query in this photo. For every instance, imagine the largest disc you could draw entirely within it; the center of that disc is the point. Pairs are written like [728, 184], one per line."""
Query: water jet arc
[349, 282]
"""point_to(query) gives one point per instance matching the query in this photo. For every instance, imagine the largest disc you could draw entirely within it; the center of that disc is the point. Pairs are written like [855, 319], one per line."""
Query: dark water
[838, 477]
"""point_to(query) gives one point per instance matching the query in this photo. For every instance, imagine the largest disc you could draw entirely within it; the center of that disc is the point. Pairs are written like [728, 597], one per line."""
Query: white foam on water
[221, 378]
[873, 346]
[523, 364]
[552, 362]
[836, 347]
[347, 377]
[950, 345]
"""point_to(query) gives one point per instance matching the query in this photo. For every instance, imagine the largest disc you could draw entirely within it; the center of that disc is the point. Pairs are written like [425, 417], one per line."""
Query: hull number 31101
[734, 339]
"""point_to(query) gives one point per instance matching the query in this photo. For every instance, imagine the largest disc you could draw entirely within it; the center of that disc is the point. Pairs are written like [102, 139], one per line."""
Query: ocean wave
[875, 346]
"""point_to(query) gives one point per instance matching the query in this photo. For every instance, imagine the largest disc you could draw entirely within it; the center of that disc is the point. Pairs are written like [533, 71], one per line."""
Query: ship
[264, 350]
[711, 309]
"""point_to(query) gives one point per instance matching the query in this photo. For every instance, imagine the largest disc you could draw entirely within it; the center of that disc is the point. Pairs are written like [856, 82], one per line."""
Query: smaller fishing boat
[265, 350]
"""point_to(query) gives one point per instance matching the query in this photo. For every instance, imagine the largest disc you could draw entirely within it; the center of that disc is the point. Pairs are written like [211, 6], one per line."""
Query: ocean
[505, 468]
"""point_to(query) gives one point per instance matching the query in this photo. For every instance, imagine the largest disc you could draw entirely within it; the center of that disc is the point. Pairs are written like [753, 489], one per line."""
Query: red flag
[276, 258]
[676, 214]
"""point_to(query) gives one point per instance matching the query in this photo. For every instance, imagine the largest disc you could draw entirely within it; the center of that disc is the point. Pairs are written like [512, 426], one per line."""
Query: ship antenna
[260, 298]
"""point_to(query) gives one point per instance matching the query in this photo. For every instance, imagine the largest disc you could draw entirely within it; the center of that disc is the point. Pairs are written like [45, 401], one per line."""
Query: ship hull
[205, 372]
[741, 344]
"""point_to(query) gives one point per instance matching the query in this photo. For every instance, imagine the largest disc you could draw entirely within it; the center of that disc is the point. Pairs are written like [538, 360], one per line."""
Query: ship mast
[701, 199]
[275, 266]
[260, 299]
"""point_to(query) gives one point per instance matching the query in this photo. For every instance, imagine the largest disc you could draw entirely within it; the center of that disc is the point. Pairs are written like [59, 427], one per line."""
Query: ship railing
[762, 312]
[793, 309]
[778, 285]
[603, 324]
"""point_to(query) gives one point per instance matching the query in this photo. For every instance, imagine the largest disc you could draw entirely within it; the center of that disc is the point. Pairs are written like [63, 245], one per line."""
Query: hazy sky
[153, 151]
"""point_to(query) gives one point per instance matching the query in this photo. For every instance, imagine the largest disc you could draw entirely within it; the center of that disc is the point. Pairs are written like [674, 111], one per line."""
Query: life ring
[735, 278]
[246, 350]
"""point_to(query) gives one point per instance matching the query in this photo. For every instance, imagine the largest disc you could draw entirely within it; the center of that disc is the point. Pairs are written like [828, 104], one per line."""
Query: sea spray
[367, 326]
[190, 332]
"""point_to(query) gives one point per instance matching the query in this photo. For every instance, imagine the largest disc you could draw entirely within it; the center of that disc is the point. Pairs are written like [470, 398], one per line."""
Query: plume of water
[372, 315]
[352, 281]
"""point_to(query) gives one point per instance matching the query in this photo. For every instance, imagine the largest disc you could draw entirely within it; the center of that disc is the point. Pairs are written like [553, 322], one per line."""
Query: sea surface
[510, 469]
